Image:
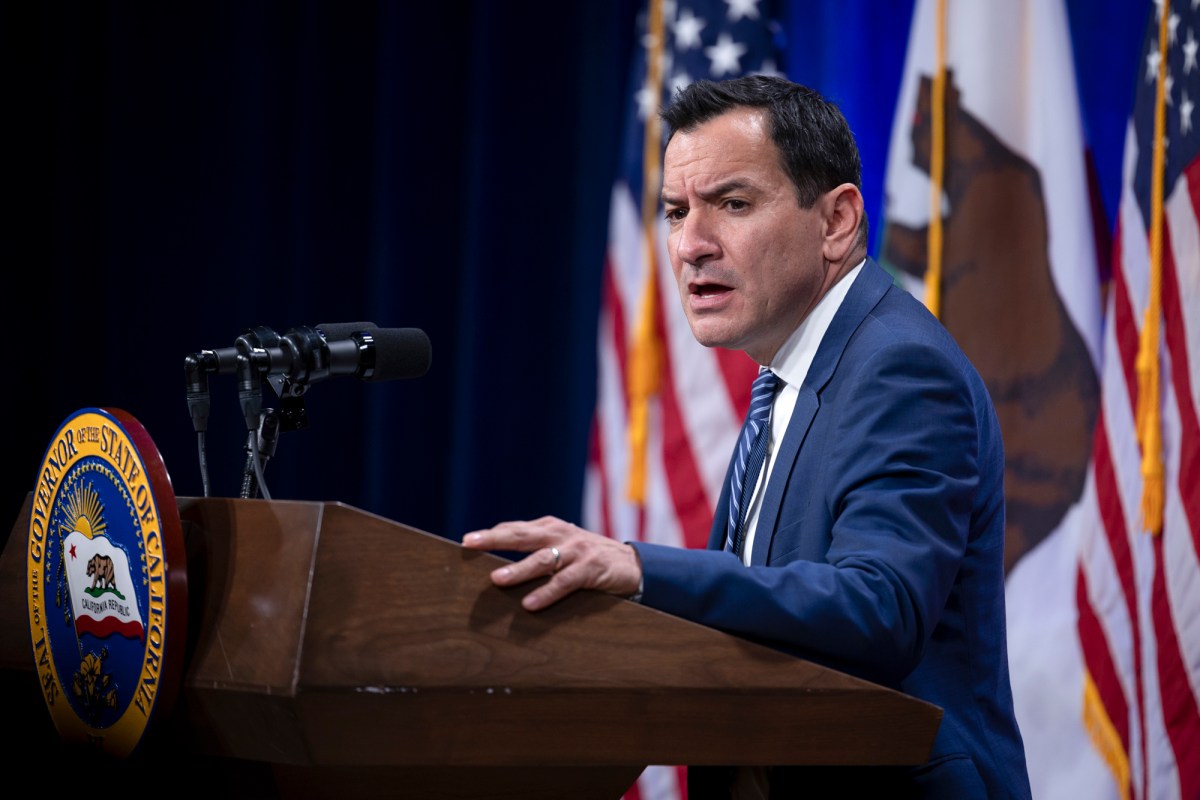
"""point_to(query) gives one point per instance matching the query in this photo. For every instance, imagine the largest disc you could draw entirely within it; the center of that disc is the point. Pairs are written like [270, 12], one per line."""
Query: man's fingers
[546, 561]
[538, 565]
[569, 556]
[522, 536]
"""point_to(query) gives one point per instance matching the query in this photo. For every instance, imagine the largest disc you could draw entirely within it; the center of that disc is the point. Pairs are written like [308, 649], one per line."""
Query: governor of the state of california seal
[106, 581]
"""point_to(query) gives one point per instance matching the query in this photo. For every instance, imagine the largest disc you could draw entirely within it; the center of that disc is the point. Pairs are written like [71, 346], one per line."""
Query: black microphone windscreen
[400, 353]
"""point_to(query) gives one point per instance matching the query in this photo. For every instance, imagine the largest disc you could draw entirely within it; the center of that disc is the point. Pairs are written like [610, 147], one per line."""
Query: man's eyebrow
[720, 190]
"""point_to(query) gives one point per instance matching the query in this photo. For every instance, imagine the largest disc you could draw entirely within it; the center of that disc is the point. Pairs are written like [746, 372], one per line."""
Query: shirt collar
[792, 361]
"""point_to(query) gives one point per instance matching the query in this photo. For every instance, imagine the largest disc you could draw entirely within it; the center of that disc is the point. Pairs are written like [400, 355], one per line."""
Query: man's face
[747, 258]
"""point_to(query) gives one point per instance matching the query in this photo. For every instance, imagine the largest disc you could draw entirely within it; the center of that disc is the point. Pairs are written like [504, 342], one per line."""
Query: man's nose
[695, 238]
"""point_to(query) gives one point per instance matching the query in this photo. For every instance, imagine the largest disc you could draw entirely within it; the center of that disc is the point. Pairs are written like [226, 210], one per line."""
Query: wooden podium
[333, 652]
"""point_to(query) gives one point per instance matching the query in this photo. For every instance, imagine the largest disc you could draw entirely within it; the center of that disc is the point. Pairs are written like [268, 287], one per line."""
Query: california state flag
[101, 587]
[988, 219]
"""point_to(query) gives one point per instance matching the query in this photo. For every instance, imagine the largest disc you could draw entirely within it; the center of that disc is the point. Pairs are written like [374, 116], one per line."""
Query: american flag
[1138, 586]
[668, 410]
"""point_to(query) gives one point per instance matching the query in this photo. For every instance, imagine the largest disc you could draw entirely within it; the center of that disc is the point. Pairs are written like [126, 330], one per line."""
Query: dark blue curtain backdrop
[179, 172]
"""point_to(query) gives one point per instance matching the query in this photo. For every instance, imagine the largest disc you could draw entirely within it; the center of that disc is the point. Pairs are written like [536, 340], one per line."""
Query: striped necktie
[751, 448]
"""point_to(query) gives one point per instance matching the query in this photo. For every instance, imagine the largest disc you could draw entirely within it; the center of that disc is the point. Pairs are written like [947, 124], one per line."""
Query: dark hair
[813, 138]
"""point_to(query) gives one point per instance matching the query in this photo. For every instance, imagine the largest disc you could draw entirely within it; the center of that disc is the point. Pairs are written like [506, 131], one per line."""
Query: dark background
[179, 172]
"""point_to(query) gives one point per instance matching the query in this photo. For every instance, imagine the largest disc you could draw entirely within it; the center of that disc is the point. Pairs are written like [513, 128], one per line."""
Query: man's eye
[736, 205]
[676, 214]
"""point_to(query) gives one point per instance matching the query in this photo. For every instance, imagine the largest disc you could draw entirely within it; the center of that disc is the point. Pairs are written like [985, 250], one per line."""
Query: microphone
[380, 354]
[306, 355]
[224, 361]
[336, 331]
[290, 363]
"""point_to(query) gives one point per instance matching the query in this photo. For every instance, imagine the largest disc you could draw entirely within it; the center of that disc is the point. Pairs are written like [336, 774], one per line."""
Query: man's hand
[572, 557]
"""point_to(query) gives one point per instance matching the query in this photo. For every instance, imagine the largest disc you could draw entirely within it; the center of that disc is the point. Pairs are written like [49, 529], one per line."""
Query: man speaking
[861, 525]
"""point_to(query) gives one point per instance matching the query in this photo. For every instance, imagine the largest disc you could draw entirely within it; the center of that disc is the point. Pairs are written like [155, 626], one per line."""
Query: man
[874, 542]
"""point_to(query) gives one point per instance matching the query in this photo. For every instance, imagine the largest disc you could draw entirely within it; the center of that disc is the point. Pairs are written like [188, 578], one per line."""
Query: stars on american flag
[705, 39]
[726, 56]
[1182, 74]
[742, 9]
[687, 30]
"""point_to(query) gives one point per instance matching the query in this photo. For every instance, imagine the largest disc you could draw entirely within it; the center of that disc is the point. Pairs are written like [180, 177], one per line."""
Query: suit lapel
[869, 287]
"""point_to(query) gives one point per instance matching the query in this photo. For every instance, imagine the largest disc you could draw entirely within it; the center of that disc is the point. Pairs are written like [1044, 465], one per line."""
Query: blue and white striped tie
[751, 448]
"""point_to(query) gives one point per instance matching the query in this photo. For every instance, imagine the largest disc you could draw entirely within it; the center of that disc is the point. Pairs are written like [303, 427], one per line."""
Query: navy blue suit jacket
[880, 542]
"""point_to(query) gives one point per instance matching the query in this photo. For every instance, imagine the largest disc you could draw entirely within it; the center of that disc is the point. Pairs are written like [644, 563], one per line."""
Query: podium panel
[337, 650]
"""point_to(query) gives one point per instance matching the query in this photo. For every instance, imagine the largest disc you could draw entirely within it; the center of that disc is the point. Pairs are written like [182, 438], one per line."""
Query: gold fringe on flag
[645, 353]
[937, 166]
[1104, 736]
[1148, 419]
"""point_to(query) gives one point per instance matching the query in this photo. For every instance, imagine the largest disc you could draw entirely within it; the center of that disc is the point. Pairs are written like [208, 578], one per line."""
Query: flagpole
[645, 355]
[937, 165]
[1148, 422]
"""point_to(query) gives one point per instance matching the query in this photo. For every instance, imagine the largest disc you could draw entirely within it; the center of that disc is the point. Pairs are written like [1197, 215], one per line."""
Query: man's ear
[843, 212]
